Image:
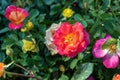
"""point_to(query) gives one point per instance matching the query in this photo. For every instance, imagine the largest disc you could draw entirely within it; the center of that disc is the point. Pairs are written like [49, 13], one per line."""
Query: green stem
[6, 66]
[31, 73]
[21, 67]
[85, 6]
[17, 74]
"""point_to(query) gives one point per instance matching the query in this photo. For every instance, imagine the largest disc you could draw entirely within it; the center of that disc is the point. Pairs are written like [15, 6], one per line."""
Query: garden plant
[59, 39]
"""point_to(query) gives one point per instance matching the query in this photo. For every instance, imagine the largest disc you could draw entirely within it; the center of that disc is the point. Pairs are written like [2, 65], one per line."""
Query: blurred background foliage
[99, 17]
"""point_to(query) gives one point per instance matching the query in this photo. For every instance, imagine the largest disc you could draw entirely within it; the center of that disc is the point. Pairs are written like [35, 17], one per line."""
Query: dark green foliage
[99, 17]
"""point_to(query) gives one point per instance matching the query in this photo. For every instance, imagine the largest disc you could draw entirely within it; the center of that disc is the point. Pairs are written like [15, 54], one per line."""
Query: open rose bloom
[16, 16]
[70, 39]
[29, 46]
[110, 54]
[1, 69]
[116, 77]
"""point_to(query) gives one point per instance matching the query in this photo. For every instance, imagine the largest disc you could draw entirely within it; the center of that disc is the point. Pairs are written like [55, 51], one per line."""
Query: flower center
[71, 38]
[16, 17]
[112, 49]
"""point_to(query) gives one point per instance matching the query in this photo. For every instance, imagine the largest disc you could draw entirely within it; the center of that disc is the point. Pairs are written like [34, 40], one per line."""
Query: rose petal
[97, 49]
[107, 36]
[111, 61]
[85, 42]
[13, 26]
[118, 53]
[65, 28]
[23, 11]
[78, 30]
[12, 8]
[9, 9]
[86, 37]
[78, 26]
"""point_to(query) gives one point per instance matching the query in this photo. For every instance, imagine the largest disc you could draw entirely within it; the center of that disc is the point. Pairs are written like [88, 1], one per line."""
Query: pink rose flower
[110, 55]
[70, 40]
[16, 16]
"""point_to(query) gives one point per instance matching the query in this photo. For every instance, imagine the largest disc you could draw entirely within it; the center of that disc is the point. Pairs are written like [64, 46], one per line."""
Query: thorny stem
[17, 74]
[20, 67]
[24, 69]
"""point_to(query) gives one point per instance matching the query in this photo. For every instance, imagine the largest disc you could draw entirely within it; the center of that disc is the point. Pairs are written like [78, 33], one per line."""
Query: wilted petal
[111, 61]
[49, 38]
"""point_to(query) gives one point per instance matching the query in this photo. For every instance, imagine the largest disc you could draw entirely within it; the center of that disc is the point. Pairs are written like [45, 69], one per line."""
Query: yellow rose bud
[9, 51]
[24, 29]
[67, 12]
[62, 68]
[29, 46]
[29, 26]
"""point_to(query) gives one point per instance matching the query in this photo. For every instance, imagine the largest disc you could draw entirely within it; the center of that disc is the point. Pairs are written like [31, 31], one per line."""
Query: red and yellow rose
[70, 40]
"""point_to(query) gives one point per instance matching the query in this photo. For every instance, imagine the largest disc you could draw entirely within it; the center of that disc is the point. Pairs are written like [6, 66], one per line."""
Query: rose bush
[59, 39]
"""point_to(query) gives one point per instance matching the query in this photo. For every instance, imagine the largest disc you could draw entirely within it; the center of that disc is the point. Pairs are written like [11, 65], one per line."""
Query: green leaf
[19, 43]
[83, 71]
[106, 16]
[79, 18]
[24, 62]
[80, 56]
[65, 58]
[106, 4]
[108, 27]
[19, 3]
[2, 56]
[84, 23]
[109, 42]
[48, 2]
[63, 77]
[4, 30]
[118, 44]
[4, 3]
[41, 17]
[13, 37]
[54, 9]
[73, 63]
[33, 13]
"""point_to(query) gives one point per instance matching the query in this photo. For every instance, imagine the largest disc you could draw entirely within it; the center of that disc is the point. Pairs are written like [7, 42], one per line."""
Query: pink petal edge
[97, 49]
[111, 61]
[13, 26]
